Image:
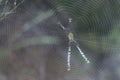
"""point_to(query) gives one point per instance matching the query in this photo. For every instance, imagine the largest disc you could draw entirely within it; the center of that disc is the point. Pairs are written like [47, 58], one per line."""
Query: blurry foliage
[45, 40]
[114, 36]
[95, 27]
[2, 2]
[92, 17]
[3, 54]
[38, 19]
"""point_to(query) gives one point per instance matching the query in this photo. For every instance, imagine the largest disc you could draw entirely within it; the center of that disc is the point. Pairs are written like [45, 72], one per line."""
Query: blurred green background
[34, 47]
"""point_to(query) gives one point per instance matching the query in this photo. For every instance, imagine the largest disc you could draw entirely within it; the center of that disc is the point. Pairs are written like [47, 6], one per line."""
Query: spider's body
[70, 36]
[71, 39]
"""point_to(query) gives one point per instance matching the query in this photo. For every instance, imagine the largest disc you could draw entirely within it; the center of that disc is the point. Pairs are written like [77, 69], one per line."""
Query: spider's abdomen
[70, 36]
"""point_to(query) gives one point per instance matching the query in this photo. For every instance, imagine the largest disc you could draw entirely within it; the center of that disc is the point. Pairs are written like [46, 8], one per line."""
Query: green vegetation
[28, 24]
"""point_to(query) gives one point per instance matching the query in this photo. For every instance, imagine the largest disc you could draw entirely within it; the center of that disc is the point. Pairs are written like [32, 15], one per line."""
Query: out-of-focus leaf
[41, 17]
[3, 54]
[1, 1]
[45, 40]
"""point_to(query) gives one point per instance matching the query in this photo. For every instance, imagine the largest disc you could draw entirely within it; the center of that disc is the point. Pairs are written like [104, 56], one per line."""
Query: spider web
[95, 25]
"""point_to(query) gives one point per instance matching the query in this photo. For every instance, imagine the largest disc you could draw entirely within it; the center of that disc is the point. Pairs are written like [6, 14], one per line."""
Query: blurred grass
[3, 54]
[44, 40]
[1, 1]
[39, 18]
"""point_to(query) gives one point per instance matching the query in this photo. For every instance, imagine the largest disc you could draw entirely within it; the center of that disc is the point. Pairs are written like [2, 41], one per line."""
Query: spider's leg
[68, 57]
[81, 52]
[61, 26]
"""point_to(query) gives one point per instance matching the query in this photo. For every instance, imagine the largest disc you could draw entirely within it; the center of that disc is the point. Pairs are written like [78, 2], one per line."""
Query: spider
[71, 39]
